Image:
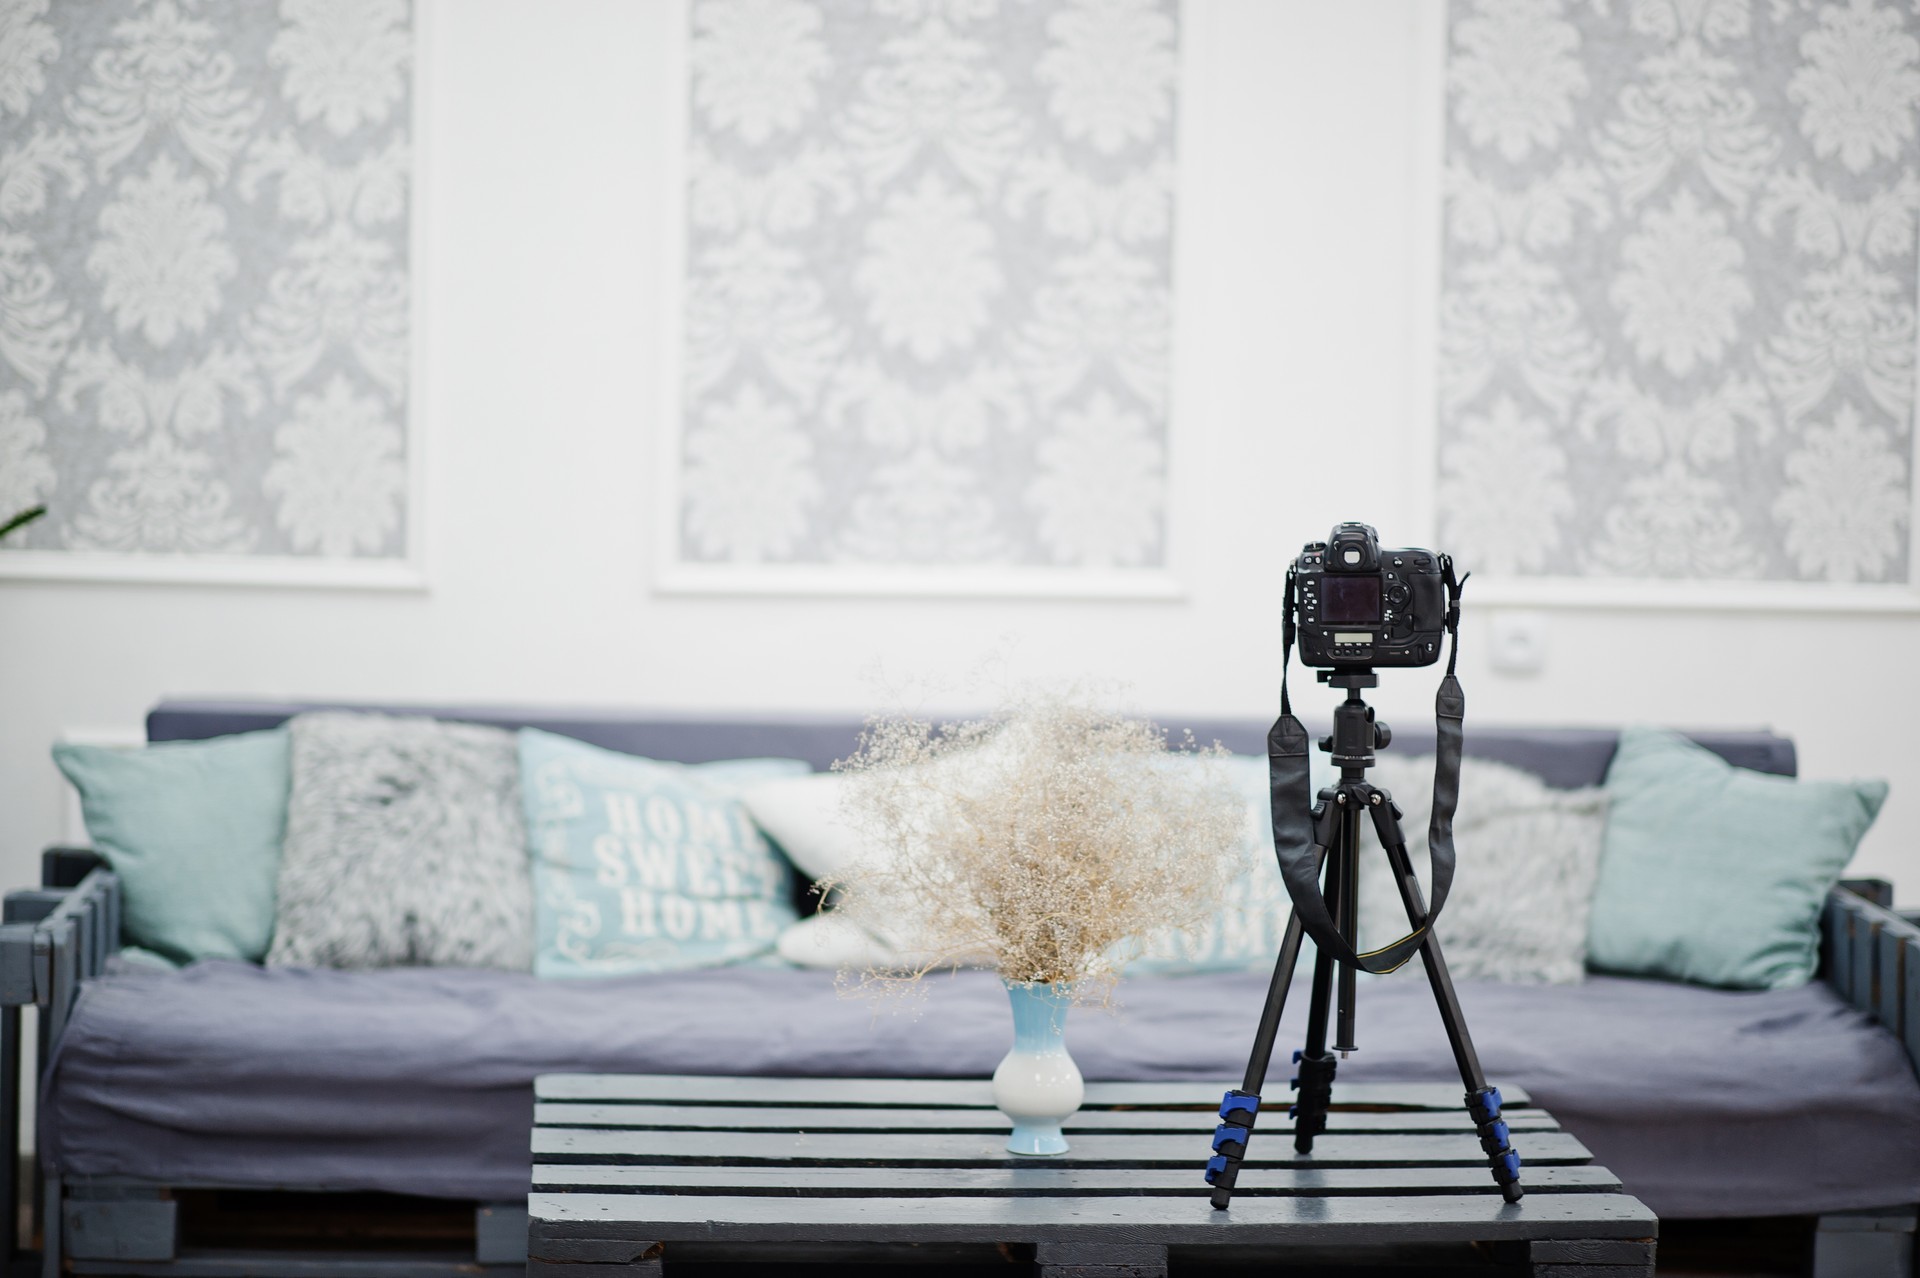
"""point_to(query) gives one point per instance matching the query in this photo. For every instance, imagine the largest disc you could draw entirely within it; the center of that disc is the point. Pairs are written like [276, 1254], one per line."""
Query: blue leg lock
[1237, 1112]
[1496, 1140]
[1239, 1107]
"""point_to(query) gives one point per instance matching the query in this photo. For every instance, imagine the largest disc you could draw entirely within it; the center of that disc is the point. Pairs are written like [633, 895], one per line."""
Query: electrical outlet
[1519, 642]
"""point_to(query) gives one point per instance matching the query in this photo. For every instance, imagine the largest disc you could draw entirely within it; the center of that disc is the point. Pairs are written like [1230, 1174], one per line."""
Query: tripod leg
[1483, 1102]
[1239, 1108]
[1317, 1064]
[1346, 910]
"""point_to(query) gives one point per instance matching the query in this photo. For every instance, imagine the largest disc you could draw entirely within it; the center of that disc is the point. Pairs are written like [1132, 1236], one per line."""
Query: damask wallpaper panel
[1677, 310]
[204, 281]
[928, 289]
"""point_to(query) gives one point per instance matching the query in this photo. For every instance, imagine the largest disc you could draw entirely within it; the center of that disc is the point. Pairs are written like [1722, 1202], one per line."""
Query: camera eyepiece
[1353, 548]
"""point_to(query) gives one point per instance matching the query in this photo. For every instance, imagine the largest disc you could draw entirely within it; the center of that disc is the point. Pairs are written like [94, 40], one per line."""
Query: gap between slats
[911, 1182]
[574, 1144]
[639, 1117]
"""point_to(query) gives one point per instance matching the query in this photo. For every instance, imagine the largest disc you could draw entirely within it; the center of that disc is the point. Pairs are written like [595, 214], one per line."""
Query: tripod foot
[1238, 1109]
[1484, 1107]
[1309, 1110]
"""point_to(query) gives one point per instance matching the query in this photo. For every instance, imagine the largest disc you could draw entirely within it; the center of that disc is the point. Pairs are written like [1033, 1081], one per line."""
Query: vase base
[1036, 1141]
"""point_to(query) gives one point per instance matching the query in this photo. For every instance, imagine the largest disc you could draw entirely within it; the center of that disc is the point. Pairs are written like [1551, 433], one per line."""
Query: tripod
[1336, 847]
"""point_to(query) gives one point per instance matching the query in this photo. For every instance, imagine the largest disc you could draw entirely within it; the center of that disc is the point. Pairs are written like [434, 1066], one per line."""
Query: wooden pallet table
[635, 1171]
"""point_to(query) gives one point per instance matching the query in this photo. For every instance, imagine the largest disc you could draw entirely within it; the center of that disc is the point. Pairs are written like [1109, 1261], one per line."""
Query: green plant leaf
[22, 519]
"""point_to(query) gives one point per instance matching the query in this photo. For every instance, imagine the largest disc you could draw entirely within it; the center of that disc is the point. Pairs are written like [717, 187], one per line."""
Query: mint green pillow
[193, 829]
[645, 866]
[1716, 874]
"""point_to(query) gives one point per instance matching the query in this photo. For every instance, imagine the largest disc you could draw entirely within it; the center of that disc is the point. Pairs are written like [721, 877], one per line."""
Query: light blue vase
[1037, 1085]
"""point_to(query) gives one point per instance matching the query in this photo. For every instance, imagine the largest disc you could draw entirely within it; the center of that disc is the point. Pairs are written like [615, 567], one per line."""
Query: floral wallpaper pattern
[1678, 299]
[203, 275]
[927, 314]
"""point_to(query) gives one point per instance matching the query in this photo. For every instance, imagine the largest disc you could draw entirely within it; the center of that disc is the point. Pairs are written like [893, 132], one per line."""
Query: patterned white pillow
[1528, 862]
[406, 846]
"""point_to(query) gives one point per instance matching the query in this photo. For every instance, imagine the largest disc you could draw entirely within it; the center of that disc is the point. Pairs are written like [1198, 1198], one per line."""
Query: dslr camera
[1361, 606]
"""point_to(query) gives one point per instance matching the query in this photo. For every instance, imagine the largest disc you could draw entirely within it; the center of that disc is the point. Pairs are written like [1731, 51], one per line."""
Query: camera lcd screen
[1349, 600]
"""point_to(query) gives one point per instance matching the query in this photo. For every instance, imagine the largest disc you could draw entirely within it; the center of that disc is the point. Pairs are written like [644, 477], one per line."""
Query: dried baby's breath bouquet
[1045, 841]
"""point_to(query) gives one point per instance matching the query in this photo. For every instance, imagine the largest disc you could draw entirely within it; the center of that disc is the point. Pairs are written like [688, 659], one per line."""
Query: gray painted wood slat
[1150, 1220]
[1073, 1181]
[1591, 1251]
[821, 1118]
[1910, 1002]
[1832, 941]
[319, 1264]
[1843, 944]
[1863, 946]
[941, 1093]
[910, 1149]
[1889, 965]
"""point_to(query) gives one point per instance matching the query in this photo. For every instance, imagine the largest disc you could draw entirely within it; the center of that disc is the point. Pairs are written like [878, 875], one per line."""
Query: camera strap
[1291, 788]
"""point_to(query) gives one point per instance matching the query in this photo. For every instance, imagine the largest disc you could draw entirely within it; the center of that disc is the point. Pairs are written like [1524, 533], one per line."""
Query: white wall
[1296, 286]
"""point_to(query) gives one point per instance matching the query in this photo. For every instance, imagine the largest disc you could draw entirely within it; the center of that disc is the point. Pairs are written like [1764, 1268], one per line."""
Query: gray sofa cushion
[417, 1080]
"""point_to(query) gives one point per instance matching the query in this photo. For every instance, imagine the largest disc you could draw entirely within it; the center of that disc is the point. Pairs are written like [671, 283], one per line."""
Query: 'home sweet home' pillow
[1246, 931]
[645, 866]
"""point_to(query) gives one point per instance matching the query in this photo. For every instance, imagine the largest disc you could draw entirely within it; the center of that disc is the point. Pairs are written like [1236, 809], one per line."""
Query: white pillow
[806, 816]
[829, 941]
[802, 815]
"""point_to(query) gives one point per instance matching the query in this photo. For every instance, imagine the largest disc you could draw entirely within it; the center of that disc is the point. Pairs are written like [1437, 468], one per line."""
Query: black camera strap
[1291, 788]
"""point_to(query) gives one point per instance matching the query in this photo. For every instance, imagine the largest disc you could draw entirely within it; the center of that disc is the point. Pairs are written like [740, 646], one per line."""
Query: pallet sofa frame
[57, 935]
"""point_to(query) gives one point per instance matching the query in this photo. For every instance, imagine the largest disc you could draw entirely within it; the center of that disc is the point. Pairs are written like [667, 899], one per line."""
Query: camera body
[1362, 607]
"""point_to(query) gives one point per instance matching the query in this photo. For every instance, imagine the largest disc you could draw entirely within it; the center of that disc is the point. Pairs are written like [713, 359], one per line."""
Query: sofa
[1706, 1103]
